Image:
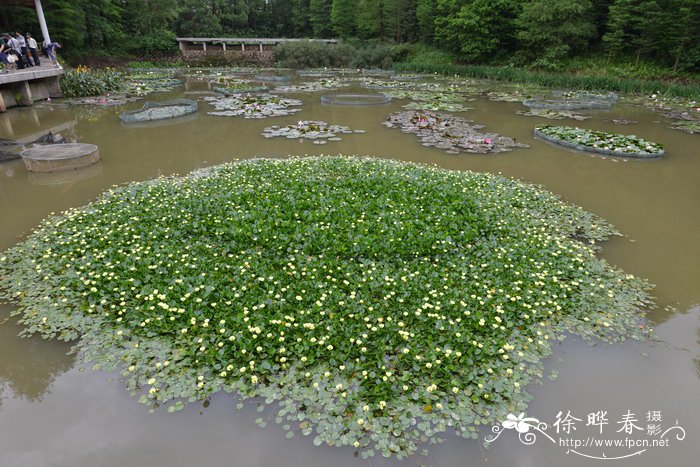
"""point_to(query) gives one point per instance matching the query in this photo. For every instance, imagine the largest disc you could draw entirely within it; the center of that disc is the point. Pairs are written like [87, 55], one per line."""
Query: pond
[54, 412]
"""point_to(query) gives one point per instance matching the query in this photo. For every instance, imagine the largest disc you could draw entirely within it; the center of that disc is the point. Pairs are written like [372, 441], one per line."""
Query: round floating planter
[160, 111]
[600, 142]
[58, 157]
[567, 104]
[355, 99]
[243, 90]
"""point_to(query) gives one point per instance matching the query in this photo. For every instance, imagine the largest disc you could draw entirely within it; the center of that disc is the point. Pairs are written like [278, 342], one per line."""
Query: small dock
[24, 87]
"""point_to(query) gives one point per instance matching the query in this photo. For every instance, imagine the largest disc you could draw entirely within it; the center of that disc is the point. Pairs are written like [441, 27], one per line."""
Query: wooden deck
[46, 70]
[23, 87]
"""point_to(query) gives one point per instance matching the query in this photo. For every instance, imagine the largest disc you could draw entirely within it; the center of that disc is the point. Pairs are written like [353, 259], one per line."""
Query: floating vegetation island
[315, 86]
[452, 133]
[253, 106]
[366, 302]
[320, 132]
[553, 114]
[600, 142]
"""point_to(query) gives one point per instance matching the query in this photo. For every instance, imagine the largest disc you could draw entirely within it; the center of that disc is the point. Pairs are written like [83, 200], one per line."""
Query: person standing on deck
[4, 49]
[17, 51]
[22, 48]
[31, 45]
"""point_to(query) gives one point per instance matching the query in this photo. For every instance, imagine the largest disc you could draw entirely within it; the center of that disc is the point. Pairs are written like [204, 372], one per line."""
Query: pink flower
[488, 141]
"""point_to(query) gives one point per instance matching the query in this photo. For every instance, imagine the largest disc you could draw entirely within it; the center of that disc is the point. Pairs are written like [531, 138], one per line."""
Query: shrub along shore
[560, 80]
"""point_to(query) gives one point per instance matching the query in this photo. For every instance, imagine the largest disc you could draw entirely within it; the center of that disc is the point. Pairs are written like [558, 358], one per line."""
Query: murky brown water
[54, 414]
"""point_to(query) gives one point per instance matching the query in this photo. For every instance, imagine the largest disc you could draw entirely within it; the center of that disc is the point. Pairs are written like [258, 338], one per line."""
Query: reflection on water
[28, 366]
[66, 178]
[54, 415]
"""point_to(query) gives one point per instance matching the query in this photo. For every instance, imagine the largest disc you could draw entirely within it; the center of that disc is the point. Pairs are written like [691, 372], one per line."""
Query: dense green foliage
[308, 54]
[592, 78]
[600, 141]
[533, 32]
[81, 82]
[373, 303]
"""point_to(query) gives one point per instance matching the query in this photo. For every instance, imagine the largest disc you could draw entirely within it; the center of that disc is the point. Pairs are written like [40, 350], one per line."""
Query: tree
[631, 26]
[320, 17]
[554, 28]
[369, 19]
[476, 29]
[343, 18]
[425, 16]
[300, 18]
[400, 22]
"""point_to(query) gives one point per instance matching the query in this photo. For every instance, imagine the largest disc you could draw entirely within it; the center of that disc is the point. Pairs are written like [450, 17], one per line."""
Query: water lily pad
[452, 133]
[253, 106]
[344, 294]
[600, 142]
[308, 129]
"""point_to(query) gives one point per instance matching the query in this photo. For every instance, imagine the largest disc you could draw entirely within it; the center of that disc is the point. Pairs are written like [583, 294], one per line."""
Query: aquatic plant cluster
[318, 131]
[552, 114]
[322, 84]
[600, 141]
[454, 134]
[253, 106]
[366, 302]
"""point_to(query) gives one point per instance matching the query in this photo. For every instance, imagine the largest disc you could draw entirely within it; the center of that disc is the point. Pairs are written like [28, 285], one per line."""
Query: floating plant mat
[320, 132]
[552, 114]
[450, 102]
[314, 86]
[567, 104]
[102, 101]
[355, 99]
[600, 142]
[253, 106]
[621, 121]
[239, 89]
[687, 126]
[144, 75]
[586, 95]
[452, 133]
[374, 83]
[145, 87]
[688, 121]
[438, 105]
[273, 78]
[368, 302]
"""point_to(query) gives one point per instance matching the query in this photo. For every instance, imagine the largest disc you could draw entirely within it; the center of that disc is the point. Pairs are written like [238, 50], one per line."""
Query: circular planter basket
[602, 151]
[160, 111]
[59, 157]
[567, 104]
[355, 99]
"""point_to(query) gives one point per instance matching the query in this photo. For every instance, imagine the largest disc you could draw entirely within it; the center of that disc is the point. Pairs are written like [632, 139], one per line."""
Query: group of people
[18, 52]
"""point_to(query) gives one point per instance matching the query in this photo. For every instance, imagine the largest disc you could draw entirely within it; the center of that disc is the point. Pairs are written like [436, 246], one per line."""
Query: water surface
[53, 413]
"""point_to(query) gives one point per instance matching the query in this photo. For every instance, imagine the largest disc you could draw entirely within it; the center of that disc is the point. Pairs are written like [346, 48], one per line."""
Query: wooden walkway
[23, 87]
[241, 44]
